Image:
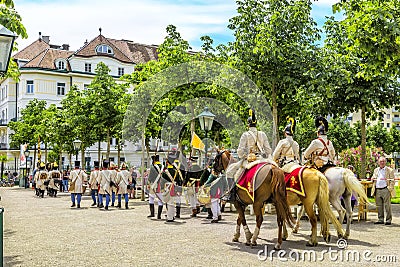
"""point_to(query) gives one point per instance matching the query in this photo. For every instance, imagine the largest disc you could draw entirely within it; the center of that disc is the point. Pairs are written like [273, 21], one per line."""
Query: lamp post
[206, 119]
[26, 153]
[77, 145]
[7, 38]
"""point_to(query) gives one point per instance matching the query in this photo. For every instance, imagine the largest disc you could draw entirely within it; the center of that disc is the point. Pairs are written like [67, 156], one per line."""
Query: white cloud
[141, 21]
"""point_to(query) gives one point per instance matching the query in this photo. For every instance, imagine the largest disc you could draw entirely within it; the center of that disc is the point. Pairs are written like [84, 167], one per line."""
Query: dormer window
[60, 64]
[105, 49]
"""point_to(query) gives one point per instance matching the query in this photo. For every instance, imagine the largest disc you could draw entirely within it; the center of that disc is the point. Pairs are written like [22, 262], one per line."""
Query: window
[388, 125]
[387, 116]
[60, 88]
[88, 67]
[29, 87]
[396, 115]
[85, 86]
[121, 71]
[104, 49]
[111, 159]
[61, 65]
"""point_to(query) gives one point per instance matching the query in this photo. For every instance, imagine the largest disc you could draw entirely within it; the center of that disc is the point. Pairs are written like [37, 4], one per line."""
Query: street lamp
[26, 153]
[7, 38]
[206, 119]
[77, 145]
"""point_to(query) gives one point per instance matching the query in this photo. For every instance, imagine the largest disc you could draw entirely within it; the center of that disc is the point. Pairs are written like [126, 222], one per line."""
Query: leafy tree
[342, 135]
[377, 136]
[361, 54]
[275, 46]
[10, 19]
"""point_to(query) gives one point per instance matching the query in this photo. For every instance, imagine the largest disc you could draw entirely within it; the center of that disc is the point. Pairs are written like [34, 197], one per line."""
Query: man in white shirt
[383, 189]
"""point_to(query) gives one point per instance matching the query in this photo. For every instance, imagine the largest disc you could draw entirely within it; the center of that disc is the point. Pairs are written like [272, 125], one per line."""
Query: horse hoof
[277, 248]
[284, 238]
[327, 238]
[253, 244]
[295, 231]
[248, 243]
[235, 240]
[310, 244]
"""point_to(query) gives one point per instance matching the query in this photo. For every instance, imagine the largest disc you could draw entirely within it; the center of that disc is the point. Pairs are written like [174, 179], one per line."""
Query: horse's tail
[325, 212]
[278, 185]
[353, 184]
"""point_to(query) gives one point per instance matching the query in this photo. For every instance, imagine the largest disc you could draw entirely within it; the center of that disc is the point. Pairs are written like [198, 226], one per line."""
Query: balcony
[396, 119]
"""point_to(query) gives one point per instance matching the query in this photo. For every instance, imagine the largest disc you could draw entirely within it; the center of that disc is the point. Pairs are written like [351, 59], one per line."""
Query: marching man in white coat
[123, 181]
[77, 177]
[93, 183]
[104, 185]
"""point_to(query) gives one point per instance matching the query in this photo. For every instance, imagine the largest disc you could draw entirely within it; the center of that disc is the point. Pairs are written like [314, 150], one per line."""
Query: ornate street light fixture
[206, 119]
[7, 38]
[77, 145]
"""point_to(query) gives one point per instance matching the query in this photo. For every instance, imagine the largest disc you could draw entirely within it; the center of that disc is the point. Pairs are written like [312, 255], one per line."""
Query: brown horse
[273, 186]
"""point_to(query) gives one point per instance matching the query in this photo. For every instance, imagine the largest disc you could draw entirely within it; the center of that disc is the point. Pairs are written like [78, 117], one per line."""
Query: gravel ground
[47, 232]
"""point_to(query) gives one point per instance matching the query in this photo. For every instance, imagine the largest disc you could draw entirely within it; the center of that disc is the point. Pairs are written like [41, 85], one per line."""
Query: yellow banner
[196, 142]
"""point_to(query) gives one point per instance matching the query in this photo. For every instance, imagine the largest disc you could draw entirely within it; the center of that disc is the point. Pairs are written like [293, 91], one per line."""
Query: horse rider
[253, 148]
[55, 179]
[77, 177]
[154, 184]
[124, 181]
[168, 183]
[287, 149]
[93, 184]
[104, 185]
[40, 177]
[321, 152]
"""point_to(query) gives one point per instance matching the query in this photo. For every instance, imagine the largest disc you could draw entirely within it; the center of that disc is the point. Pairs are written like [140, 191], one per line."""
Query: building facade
[49, 71]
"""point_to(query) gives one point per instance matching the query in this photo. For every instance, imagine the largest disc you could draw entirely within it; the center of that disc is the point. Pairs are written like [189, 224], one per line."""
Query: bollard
[1, 236]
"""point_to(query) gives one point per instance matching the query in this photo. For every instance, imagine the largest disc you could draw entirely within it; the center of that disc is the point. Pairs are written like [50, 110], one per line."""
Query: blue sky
[142, 21]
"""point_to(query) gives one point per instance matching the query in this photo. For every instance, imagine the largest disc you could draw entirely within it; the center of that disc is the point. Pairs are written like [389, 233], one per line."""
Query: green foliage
[10, 19]
[377, 136]
[352, 156]
[275, 46]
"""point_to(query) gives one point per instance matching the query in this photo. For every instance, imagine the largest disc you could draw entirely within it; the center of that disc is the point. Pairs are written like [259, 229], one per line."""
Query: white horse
[342, 182]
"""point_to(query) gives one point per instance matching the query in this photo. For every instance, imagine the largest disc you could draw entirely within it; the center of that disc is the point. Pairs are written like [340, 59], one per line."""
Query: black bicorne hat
[321, 124]
[105, 163]
[291, 127]
[155, 158]
[77, 164]
[252, 121]
[96, 164]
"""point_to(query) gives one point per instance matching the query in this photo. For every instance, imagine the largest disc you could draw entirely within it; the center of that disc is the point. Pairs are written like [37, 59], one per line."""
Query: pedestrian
[123, 181]
[94, 175]
[154, 185]
[113, 177]
[65, 181]
[55, 180]
[104, 185]
[134, 176]
[383, 190]
[77, 177]
[40, 177]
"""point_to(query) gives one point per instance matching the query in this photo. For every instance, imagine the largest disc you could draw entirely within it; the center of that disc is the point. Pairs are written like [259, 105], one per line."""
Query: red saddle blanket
[294, 181]
[246, 181]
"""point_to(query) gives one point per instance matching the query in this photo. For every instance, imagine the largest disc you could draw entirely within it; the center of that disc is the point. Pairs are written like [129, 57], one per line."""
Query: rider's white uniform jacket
[320, 149]
[286, 151]
[253, 140]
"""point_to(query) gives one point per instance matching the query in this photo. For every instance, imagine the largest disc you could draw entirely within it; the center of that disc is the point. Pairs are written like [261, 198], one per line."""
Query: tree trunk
[34, 158]
[118, 152]
[2, 169]
[45, 152]
[98, 153]
[363, 143]
[192, 127]
[70, 162]
[60, 166]
[275, 133]
[142, 165]
[108, 144]
[83, 163]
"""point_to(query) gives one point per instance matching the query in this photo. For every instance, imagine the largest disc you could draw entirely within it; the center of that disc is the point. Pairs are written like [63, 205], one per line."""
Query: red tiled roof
[32, 50]
[47, 58]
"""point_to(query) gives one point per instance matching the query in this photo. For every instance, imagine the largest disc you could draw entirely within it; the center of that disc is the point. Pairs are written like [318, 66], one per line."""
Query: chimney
[40, 36]
[65, 47]
[46, 39]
